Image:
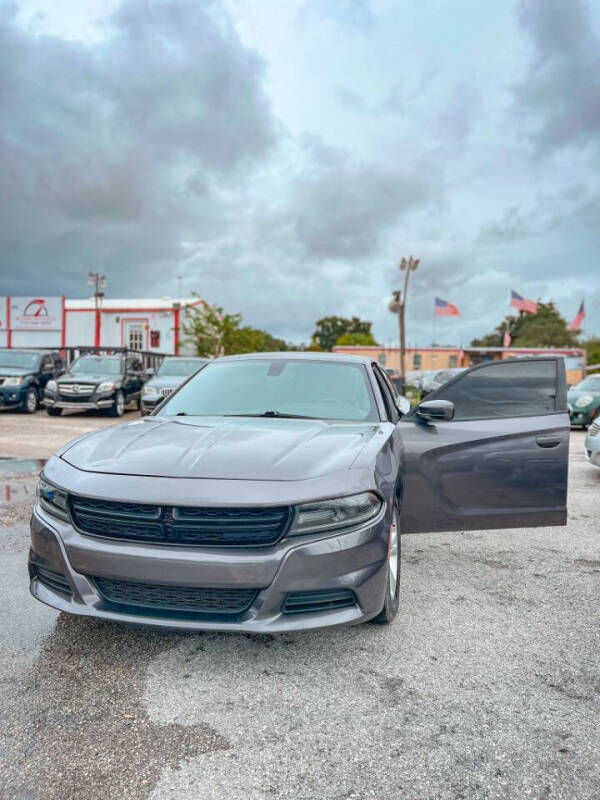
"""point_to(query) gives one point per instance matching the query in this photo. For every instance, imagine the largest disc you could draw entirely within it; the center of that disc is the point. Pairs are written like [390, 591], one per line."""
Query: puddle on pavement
[11, 491]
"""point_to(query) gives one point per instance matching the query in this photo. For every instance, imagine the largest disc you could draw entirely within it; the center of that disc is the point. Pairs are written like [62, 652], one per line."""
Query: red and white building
[143, 324]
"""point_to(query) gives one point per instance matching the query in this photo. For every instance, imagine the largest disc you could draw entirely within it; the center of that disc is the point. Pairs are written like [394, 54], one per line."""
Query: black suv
[102, 382]
[23, 376]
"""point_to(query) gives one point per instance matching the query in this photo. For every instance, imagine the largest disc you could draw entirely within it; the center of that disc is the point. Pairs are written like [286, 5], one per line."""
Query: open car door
[494, 454]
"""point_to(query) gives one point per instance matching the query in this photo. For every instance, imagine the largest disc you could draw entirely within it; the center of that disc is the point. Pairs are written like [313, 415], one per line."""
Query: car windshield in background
[277, 387]
[178, 367]
[96, 365]
[20, 360]
[591, 384]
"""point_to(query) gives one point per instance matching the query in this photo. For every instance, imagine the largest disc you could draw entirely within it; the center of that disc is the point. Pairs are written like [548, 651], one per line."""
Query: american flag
[522, 303]
[445, 309]
[577, 323]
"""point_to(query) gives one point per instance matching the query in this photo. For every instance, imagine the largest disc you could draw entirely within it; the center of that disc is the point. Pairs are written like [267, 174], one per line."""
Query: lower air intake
[187, 599]
[53, 580]
[319, 600]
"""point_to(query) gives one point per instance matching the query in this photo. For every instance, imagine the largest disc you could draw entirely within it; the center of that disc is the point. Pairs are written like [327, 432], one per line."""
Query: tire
[118, 407]
[391, 601]
[54, 412]
[30, 403]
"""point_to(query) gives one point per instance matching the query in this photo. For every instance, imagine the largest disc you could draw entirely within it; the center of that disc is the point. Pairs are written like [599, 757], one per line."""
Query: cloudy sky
[284, 154]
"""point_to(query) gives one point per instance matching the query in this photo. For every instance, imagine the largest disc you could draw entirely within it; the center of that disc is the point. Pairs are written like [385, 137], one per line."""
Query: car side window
[386, 393]
[503, 390]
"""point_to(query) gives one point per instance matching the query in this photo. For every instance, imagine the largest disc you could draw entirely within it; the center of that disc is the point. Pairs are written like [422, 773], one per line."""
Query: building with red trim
[428, 359]
[144, 324]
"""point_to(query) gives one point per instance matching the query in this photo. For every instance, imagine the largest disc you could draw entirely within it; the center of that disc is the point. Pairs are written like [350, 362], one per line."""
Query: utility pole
[99, 283]
[398, 306]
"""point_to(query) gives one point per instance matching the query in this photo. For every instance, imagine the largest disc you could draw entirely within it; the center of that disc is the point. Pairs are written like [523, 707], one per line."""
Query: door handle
[548, 441]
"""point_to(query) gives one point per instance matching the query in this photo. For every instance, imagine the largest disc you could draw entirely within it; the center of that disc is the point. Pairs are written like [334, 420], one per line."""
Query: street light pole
[398, 305]
[98, 282]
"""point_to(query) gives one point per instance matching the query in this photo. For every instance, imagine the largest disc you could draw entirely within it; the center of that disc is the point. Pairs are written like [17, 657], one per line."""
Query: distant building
[426, 359]
[140, 324]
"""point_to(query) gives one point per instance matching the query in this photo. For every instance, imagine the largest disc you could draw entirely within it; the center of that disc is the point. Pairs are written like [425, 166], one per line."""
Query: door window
[387, 394]
[514, 389]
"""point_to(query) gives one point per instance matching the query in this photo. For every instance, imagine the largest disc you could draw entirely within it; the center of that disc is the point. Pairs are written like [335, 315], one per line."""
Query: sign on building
[36, 313]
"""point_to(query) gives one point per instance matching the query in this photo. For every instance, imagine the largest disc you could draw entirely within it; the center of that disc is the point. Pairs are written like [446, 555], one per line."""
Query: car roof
[300, 355]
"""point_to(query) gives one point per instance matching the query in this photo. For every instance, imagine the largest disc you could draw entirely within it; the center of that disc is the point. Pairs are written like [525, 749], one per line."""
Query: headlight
[341, 512]
[150, 390]
[51, 386]
[52, 499]
[13, 381]
[106, 386]
[584, 400]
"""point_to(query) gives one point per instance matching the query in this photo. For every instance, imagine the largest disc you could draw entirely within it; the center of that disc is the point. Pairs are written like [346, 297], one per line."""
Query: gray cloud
[559, 95]
[110, 153]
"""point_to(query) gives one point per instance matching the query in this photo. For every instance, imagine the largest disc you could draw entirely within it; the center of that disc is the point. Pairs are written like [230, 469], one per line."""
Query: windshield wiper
[280, 414]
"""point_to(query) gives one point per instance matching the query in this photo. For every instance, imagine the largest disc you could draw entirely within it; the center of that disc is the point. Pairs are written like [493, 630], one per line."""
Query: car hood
[222, 448]
[168, 382]
[68, 378]
[15, 372]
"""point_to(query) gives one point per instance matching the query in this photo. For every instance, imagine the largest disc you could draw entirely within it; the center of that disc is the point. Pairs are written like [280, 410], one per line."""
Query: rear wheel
[391, 599]
[54, 412]
[118, 406]
[31, 402]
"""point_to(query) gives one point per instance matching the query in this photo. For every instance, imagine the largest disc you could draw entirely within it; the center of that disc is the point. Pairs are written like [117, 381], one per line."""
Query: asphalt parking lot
[486, 686]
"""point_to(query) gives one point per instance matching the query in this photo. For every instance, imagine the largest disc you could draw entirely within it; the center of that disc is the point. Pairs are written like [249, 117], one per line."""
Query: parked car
[433, 382]
[97, 382]
[584, 401]
[269, 492]
[23, 376]
[592, 444]
[171, 374]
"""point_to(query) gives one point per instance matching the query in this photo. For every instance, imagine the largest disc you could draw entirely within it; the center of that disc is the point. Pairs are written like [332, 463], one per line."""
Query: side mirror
[150, 372]
[403, 405]
[435, 411]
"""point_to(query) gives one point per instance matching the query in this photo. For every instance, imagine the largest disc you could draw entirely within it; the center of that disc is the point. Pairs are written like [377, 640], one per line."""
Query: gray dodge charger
[269, 492]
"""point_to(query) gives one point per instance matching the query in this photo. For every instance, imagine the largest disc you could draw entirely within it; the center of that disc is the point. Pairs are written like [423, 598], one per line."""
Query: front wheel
[391, 599]
[118, 406]
[31, 402]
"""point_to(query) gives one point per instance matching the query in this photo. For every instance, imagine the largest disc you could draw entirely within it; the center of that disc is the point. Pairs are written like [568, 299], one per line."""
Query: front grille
[51, 579]
[76, 389]
[221, 527]
[166, 392]
[79, 398]
[228, 603]
[318, 600]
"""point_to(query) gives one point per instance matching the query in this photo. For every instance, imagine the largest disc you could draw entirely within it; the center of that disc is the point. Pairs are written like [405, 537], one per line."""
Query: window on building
[417, 361]
[453, 362]
[382, 359]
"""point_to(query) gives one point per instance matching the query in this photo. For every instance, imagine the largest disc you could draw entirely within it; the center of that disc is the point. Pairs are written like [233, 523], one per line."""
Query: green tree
[547, 328]
[213, 333]
[362, 339]
[330, 329]
[592, 347]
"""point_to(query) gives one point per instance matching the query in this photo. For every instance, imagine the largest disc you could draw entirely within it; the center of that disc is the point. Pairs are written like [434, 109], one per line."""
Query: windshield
[12, 358]
[319, 389]
[96, 365]
[179, 366]
[591, 384]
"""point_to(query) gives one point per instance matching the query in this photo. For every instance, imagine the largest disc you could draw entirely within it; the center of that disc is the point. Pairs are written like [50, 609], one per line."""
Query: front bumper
[592, 449]
[355, 560]
[94, 403]
[150, 401]
[13, 396]
[581, 417]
